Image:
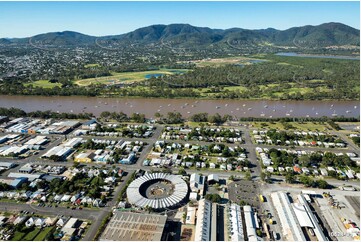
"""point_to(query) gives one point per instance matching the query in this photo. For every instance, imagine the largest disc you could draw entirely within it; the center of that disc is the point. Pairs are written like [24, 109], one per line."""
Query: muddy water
[239, 108]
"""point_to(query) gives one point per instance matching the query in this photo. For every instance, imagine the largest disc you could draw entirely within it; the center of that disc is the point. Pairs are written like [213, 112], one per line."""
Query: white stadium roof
[135, 197]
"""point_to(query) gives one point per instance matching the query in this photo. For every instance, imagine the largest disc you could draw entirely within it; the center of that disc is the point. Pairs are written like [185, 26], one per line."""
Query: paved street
[89, 214]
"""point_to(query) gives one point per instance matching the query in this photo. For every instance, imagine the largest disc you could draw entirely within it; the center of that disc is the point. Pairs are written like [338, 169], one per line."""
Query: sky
[24, 19]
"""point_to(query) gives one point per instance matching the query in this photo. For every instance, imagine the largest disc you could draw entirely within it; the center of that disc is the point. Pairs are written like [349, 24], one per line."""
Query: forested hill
[185, 35]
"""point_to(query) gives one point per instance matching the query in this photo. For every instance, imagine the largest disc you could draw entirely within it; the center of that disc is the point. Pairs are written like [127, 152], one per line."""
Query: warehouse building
[250, 218]
[7, 165]
[30, 177]
[204, 221]
[128, 226]
[236, 223]
[60, 151]
[73, 142]
[306, 217]
[290, 226]
[38, 140]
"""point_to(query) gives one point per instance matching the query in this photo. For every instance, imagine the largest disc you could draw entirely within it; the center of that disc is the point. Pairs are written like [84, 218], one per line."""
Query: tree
[181, 171]
[231, 178]
[306, 180]
[322, 184]
[4, 187]
[263, 176]
[290, 177]
[268, 176]
[248, 176]
[213, 197]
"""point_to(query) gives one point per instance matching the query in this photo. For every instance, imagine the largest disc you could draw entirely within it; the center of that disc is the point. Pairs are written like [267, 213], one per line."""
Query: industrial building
[251, 222]
[128, 226]
[60, 151]
[204, 221]
[7, 165]
[306, 217]
[136, 191]
[38, 140]
[206, 225]
[73, 142]
[291, 228]
[236, 223]
[85, 157]
[196, 183]
[30, 177]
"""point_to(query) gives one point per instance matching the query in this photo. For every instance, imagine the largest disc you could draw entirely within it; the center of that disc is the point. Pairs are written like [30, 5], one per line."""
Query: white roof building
[203, 225]
[196, 183]
[290, 226]
[236, 223]
[251, 223]
[137, 199]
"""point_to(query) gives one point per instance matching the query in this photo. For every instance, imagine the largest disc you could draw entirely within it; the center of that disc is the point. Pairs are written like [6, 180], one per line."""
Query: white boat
[348, 111]
[249, 108]
[265, 106]
[287, 114]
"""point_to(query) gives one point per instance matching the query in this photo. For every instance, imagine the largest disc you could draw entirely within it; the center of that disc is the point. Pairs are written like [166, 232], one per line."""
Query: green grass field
[30, 236]
[306, 126]
[91, 65]
[127, 77]
[43, 84]
[18, 236]
[41, 236]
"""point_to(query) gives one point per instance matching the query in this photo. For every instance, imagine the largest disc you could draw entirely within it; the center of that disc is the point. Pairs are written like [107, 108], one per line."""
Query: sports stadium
[157, 190]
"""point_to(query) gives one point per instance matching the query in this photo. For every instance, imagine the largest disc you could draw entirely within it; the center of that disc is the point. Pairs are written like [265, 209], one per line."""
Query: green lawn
[127, 77]
[43, 84]
[41, 236]
[18, 236]
[30, 236]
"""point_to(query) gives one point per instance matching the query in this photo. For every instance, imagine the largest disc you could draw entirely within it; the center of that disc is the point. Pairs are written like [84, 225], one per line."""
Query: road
[88, 214]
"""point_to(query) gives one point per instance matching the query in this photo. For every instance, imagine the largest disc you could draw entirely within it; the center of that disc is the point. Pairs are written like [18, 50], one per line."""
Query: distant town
[143, 179]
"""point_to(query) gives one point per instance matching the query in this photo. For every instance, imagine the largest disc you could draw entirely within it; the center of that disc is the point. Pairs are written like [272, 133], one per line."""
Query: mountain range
[327, 34]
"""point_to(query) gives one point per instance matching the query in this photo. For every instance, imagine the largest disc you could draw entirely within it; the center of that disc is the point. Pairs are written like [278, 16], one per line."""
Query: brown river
[187, 107]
